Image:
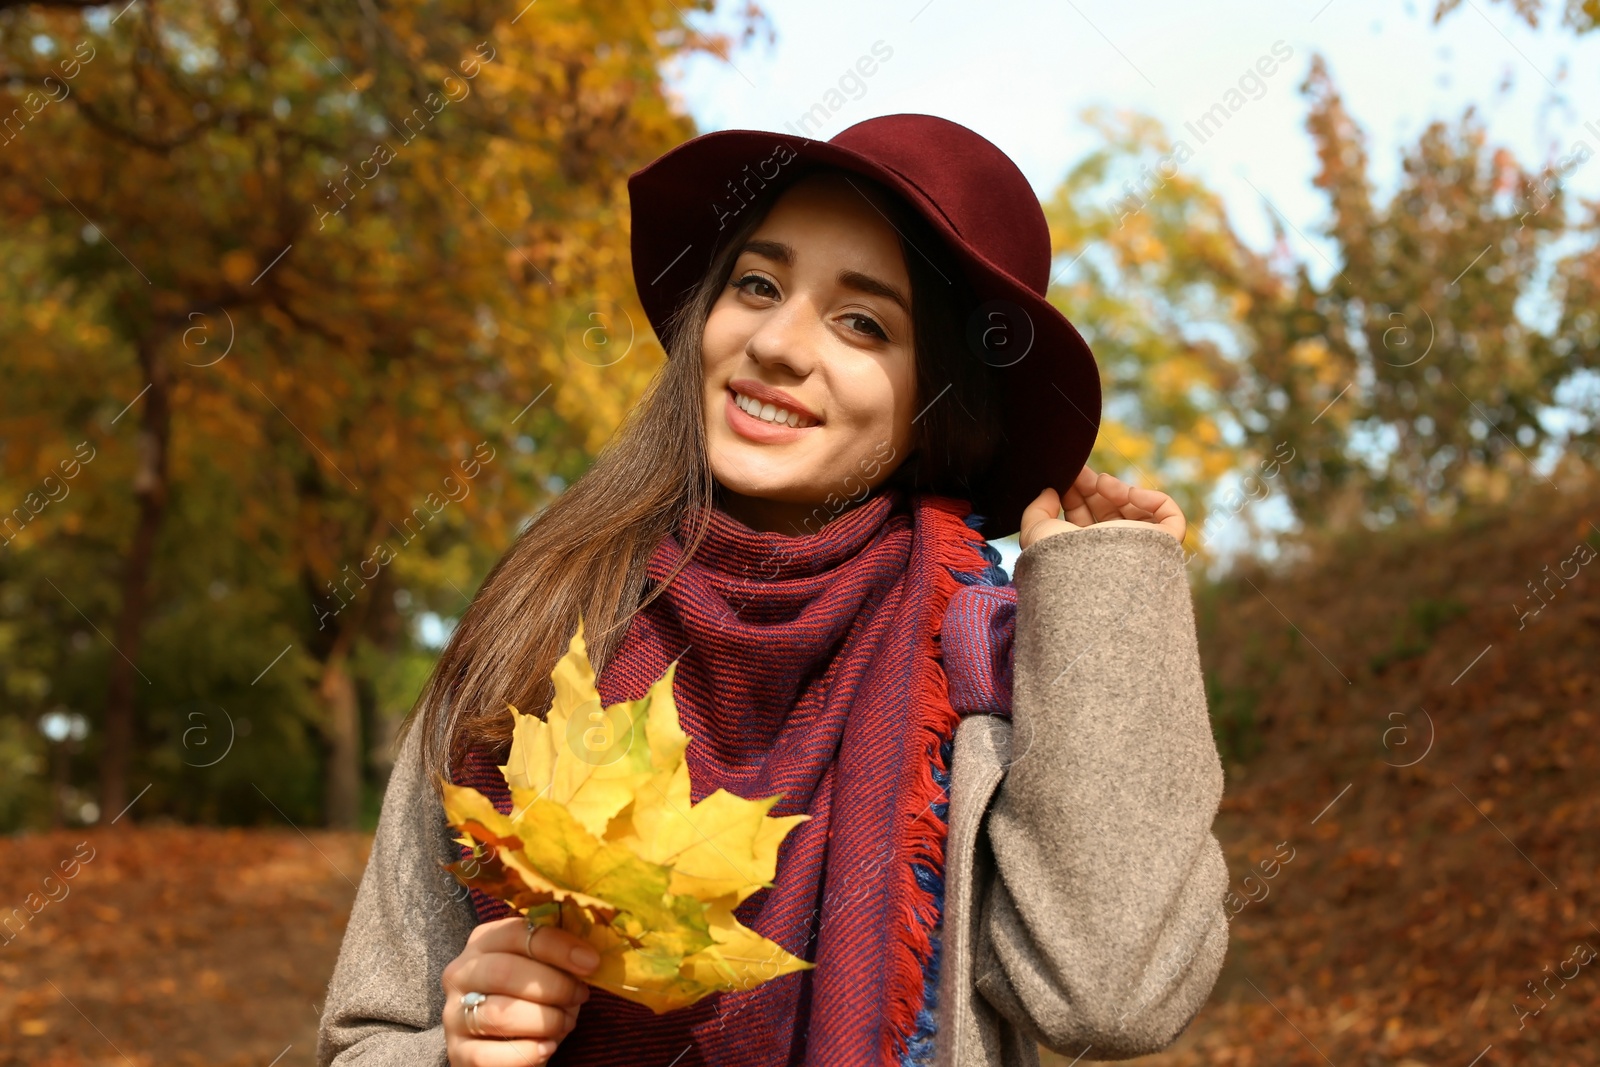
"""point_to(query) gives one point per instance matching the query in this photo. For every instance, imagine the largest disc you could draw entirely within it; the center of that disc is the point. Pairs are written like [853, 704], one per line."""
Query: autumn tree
[1580, 16]
[1153, 275]
[349, 265]
[1395, 378]
[1409, 379]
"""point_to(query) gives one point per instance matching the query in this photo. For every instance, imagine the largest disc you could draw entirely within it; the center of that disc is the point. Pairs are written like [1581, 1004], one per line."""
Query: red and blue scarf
[831, 668]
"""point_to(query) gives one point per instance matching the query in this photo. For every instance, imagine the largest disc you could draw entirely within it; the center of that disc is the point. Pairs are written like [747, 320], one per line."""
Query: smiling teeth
[769, 412]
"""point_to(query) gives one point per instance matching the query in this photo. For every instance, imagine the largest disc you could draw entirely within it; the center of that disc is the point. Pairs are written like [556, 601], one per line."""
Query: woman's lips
[766, 394]
[753, 429]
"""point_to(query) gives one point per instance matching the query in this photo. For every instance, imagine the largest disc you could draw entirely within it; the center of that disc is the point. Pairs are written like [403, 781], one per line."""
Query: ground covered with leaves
[1408, 916]
[171, 945]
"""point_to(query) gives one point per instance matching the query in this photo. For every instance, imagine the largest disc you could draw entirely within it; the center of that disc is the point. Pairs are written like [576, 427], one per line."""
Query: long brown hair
[588, 550]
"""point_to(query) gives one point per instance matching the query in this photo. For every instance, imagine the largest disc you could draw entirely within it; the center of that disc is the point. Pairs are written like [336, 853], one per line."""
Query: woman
[1011, 787]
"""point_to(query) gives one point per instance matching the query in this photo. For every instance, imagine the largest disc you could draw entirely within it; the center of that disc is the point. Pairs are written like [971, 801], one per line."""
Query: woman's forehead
[831, 217]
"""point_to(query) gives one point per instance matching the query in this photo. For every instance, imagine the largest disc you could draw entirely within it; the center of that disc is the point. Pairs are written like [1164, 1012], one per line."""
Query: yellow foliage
[1314, 354]
[239, 266]
[1126, 444]
[604, 841]
[1311, 352]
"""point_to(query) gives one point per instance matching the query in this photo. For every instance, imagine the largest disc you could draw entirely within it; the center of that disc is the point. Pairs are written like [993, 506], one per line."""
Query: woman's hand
[1100, 498]
[533, 994]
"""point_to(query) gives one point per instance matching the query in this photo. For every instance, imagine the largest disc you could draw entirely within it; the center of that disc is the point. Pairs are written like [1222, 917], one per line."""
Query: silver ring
[470, 1003]
[527, 946]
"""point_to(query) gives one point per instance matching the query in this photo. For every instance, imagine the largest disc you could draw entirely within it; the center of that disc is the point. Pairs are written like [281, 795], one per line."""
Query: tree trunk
[342, 731]
[341, 725]
[150, 487]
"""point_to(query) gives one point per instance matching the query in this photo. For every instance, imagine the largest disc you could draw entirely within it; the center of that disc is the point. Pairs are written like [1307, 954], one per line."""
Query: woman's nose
[786, 338]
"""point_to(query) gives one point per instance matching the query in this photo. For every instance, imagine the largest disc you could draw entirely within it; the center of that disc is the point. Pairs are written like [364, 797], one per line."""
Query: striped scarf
[812, 667]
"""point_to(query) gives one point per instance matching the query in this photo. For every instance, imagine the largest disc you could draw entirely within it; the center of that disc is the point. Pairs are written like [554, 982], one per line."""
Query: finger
[1113, 489]
[1104, 503]
[1044, 509]
[1082, 485]
[501, 1017]
[1040, 519]
[1047, 505]
[1133, 502]
[549, 944]
[1074, 504]
[496, 928]
[515, 975]
[1149, 499]
[1163, 510]
[524, 1053]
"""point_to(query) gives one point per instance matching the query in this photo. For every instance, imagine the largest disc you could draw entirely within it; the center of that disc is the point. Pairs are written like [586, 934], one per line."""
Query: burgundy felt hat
[687, 202]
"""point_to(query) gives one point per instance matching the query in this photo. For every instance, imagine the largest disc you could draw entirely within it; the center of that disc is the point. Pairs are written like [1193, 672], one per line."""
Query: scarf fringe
[959, 552]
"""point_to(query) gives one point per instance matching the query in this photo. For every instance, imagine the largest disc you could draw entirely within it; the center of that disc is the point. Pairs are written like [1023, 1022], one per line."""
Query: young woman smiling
[1011, 785]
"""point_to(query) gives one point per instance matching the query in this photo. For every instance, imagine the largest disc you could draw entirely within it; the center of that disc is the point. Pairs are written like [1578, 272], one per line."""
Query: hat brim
[687, 202]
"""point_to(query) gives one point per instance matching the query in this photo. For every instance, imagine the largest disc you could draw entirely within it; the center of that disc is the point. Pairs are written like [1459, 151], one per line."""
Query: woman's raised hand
[533, 992]
[1100, 499]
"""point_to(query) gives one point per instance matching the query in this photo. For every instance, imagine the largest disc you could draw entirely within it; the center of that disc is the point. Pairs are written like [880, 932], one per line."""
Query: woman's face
[815, 320]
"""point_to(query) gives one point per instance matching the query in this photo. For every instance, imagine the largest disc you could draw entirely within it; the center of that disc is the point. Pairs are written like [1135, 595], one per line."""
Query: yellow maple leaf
[604, 841]
[584, 757]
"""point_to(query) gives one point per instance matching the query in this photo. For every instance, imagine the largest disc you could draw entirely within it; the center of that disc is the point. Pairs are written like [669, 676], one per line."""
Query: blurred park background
[306, 310]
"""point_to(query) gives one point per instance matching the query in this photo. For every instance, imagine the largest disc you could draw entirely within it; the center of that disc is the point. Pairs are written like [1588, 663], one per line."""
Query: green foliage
[24, 795]
[1235, 709]
[1414, 630]
[1233, 719]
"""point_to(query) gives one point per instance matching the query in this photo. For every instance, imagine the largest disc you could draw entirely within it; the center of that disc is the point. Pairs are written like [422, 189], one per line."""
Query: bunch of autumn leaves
[604, 841]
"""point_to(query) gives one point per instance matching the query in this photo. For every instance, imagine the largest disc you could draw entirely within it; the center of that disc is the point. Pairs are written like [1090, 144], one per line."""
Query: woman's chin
[772, 471]
[775, 486]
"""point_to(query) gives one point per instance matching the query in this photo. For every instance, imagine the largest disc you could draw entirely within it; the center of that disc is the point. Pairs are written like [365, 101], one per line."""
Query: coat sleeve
[411, 918]
[1104, 928]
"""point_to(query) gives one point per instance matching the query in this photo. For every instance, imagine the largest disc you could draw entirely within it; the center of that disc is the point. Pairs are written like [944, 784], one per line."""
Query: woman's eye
[763, 288]
[867, 325]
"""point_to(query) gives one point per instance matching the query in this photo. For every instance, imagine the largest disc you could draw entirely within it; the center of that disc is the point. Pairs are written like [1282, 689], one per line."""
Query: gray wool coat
[1084, 887]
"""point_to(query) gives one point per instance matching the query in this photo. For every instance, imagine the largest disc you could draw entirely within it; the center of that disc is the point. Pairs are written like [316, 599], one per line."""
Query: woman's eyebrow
[776, 251]
[866, 283]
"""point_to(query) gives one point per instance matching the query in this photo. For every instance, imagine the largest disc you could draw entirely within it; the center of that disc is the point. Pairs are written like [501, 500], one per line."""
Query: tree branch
[70, 4]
